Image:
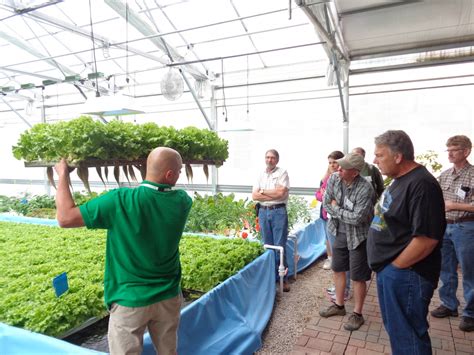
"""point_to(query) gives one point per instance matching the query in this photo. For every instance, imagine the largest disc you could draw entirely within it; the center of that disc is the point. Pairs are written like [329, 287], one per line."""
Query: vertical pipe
[343, 90]
[47, 186]
[214, 127]
[345, 126]
[281, 267]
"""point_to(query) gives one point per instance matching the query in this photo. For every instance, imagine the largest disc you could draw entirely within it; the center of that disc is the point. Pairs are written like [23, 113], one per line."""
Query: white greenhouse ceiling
[58, 54]
[374, 28]
[52, 50]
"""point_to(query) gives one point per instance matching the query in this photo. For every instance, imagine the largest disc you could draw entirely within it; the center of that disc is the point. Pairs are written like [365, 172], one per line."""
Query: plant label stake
[60, 284]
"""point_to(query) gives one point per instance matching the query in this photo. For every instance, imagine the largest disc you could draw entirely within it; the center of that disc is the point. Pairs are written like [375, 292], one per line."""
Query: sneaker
[354, 323]
[331, 290]
[443, 312]
[466, 324]
[332, 310]
[347, 296]
[327, 264]
[286, 287]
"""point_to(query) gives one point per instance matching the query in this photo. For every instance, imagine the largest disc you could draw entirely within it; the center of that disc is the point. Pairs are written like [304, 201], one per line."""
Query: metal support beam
[345, 124]
[191, 90]
[322, 32]
[15, 111]
[47, 186]
[85, 33]
[377, 7]
[45, 77]
[247, 31]
[27, 47]
[134, 19]
[48, 59]
[214, 171]
[342, 89]
[188, 84]
[188, 45]
[335, 55]
[245, 54]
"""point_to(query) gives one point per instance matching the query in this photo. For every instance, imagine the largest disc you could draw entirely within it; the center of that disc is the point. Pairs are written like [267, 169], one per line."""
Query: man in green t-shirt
[142, 267]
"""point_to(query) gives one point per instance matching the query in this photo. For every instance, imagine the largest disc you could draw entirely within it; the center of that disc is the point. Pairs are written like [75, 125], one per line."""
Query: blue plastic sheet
[28, 220]
[311, 245]
[230, 318]
[16, 341]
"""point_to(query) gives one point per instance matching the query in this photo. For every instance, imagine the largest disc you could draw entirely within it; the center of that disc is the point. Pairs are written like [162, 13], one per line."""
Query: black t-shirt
[412, 205]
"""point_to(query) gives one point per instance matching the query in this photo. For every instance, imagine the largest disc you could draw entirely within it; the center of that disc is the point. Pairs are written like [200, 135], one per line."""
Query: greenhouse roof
[75, 49]
[60, 53]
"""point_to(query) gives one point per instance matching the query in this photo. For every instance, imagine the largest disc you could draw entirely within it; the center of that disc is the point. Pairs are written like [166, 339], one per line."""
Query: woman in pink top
[332, 168]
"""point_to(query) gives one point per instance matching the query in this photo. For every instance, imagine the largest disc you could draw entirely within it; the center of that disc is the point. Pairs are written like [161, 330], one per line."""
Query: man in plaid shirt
[457, 184]
[349, 201]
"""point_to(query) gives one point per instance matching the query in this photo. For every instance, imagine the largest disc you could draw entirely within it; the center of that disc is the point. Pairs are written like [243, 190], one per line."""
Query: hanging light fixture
[115, 105]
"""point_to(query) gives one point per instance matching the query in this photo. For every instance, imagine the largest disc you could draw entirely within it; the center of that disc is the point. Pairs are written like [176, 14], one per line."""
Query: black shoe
[466, 324]
[443, 312]
[286, 287]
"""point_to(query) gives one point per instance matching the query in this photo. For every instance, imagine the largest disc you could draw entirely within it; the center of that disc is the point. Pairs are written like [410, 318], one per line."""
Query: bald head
[163, 166]
[359, 150]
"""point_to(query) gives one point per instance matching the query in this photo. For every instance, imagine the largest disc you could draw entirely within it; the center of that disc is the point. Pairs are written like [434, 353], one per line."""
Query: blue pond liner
[229, 319]
[16, 341]
[28, 220]
[311, 242]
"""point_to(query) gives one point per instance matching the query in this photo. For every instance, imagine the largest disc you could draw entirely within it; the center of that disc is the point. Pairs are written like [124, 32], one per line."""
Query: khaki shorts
[128, 324]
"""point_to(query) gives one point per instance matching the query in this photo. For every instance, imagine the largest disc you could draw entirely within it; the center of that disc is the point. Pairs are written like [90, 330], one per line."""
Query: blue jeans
[458, 249]
[274, 227]
[404, 297]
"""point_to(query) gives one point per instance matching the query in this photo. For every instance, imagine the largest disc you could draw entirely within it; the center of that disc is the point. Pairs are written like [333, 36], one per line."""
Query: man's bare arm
[457, 206]
[263, 195]
[68, 215]
[278, 193]
[418, 249]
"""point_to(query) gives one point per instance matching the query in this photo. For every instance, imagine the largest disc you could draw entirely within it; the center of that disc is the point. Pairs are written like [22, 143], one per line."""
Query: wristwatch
[262, 191]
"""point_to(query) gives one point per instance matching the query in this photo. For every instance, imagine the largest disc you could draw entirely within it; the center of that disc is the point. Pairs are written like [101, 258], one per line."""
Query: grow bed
[228, 319]
[93, 163]
[30, 256]
[127, 166]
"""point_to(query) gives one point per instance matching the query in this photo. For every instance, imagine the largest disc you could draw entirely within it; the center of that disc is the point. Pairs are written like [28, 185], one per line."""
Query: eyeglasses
[454, 150]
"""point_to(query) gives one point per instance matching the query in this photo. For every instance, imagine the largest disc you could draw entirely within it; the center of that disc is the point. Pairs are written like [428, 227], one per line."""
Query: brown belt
[460, 220]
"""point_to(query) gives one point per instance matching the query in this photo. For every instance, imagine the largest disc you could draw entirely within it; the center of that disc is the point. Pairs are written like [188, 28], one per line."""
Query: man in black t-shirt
[403, 245]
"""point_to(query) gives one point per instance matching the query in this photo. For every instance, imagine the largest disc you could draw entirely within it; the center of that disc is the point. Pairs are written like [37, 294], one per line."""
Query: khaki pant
[127, 326]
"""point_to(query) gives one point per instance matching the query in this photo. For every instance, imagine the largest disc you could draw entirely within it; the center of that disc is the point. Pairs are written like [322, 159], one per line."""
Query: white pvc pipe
[281, 267]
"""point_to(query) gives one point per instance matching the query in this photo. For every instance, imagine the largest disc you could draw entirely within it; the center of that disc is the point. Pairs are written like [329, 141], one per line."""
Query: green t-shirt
[144, 226]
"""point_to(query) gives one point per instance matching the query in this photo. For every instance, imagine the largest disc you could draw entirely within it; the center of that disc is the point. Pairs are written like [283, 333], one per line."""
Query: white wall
[303, 130]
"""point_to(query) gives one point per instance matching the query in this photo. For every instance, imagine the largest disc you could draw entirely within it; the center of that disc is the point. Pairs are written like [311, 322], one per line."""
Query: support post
[47, 186]
[214, 127]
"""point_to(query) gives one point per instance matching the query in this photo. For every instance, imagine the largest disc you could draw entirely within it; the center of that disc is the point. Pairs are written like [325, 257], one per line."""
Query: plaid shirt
[451, 181]
[354, 214]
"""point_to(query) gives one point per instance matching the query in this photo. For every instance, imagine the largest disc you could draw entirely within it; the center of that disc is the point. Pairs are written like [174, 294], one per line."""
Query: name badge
[368, 178]
[461, 193]
[348, 203]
